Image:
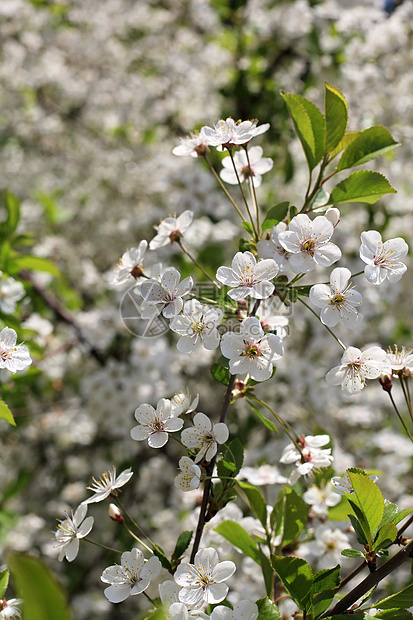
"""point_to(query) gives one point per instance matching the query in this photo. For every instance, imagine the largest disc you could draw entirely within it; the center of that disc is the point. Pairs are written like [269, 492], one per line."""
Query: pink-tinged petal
[215, 593]
[339, 279]
[117, 593]
[375, 274]
[139, 433]
[158, 439]
[144, 413]
[72, 549]
[86, 527]
[202, 422]
[211, 341]
[173, 308]
[187, 344]
[301, 262]
[327, 254]
[330, 315]
[320, 295]
[185, 286]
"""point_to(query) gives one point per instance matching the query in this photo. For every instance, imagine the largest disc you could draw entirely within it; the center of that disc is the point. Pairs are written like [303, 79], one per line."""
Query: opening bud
[115, 514]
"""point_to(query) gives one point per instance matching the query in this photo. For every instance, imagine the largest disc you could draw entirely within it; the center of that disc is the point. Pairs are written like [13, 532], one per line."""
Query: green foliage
[309, 126]
[32, 263]
[385, 536]
[182, 544]
[267, 423]
[402, 599]
[6, 414]
[4, 582]
[362, 186]
[345, 141]
[220, 373]
[275, 215]
[352, 553]
[367, 145]
[267, 610]
[43, 597]
[160, 554]
[256, 501]
[325, 583]
[297, 578]
[248, 227]
[236, 535]
[232, 459]
[394, 614]
[336, 116]
[288, 516]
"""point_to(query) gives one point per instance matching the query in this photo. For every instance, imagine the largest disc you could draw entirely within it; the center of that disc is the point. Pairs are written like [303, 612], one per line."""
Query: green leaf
[401, 599]
[309, 126]
[248, 227]
[363, 186]
[256, 501]
[275, 215]
[267, 423]
[345, 141]
[369, 144]
[325, 583]
[233, 457]
[4, 582]
[43, 596]
[220, 373]
[361, 537]
[386, 535]
[339, 512]
[13, 213]
[369, 498]
[6, 414]
[401, 515]
[236, 535]
[321, 200]
[289, 516]
[297, 578]
[160, 554]
[336, 116]
[267, 572]
[352, 553]
[35, 263]
[394, 614]
[267, 610]
[182, 543]
[360, 616]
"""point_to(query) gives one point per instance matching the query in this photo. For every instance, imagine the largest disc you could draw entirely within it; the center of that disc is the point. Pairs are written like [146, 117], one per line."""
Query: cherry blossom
[338, 301]
[229, 133]
[321, 499]
[13, 357]
[70, 530]
[357, 366]
[132, 577]
[203, 581]
[257, 166]
[309, 457]
[343, 484]
[309, 243]
[165, 296]
[400, 360]
[190, 475]
[248, 277]
[130, 267]
[183, 403]
[107, 485]
[195, 145]
[251, 351]
[205, 436]
[155, 425]
[169, 594]
[10, 610]
[272, 248]
[171, 229]
[11, 291]
[328, 545]
[383, 259]
[197, 325]
[243, 610]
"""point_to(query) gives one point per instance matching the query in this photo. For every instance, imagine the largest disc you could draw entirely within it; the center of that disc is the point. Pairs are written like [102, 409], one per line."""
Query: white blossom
[195, 145]
[383, 259]
[243, 610]
[343, 484]
[258, 165]
[130, 267]
[10, 610]
[203, 581]
[11, 291]
[13, 357]
[169, 594]
[132, 577]
[328, 545]
[400, 360]
[309, 243]
[310, 455]
[197, 325]
[165, 296]
[155, 425]
[272, 248]
[190, 476]
[171, 229]
[247, 277]
[338, 301]
[229, 133]
[251, 351]
[70, 530]
[321, 499]
[357, 366]
[205, 436]
[183, 403]
[107, 484]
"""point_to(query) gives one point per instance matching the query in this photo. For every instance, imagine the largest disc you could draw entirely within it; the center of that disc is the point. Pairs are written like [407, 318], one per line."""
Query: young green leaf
[267, 423]
[369, 144]
[233, 457]
[6, 414]
[402, 599]
[220, 373]
[267, 610]
[297, 578]
[336, 116]
[248, 227]
[35, 263]
[325, 583]
[182, 543]
[13, 213]
[256, 501]
[394, 614]
[309, 126]
[386, 535]
[369, 498]
[289, 516]
[267, 572]
[363, 186]
[275, 215]
[345, 141]
[235, 534]
[4, 582]
[352, 553]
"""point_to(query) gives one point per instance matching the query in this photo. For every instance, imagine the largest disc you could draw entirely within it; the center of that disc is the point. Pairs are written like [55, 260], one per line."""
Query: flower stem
[243, 195]
[406, 396]
[132, 520]
[207, 485]
[224, 189]
[252, 190]
[189, 255]
[92, 542]
[400, 417]
[137, 539]
[327, 328]
[150, 599]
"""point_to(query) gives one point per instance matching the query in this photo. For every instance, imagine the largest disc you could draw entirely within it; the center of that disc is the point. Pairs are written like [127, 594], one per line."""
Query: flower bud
[386, 382]
[333, 215]
[115, 514]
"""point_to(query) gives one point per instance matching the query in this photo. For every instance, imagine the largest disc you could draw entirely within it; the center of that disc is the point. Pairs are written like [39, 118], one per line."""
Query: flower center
[197, 328]
[247, 172]
[252, 350]
[308, 246]
[137, 271]
[337, 300]
[175, 235]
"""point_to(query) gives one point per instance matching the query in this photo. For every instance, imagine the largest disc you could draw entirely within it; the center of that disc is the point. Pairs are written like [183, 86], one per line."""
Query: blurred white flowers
[338, 301]
[357, 366]
[108, 484]
[244, 610]
[203, 580]
[13, 357]
[248, 277]
[383, 259]
[132, 577]
[11, 291]
[155, 425]
[70, 531]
